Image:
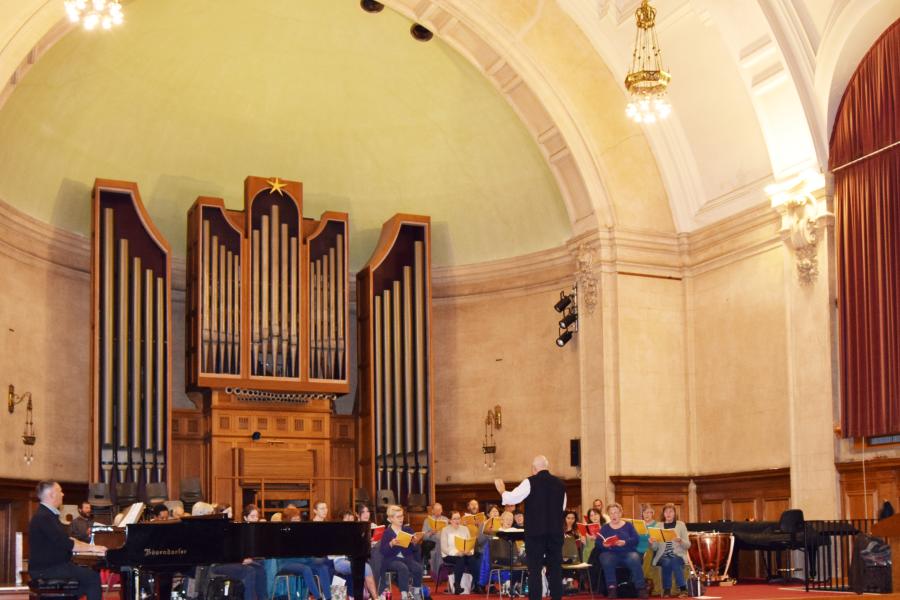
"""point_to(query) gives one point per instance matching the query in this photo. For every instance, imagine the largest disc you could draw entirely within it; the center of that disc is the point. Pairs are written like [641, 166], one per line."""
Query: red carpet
[751, 591]
[747, 591]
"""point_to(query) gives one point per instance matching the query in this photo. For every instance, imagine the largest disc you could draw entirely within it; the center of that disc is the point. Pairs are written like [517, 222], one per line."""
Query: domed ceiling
[188, 98]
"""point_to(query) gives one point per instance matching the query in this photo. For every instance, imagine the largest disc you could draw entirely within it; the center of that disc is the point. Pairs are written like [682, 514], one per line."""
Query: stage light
[563, 302]
[564, 338]
[567, 320]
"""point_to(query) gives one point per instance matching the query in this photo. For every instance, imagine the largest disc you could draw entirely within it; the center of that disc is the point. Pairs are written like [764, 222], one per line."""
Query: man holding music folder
[545, 504]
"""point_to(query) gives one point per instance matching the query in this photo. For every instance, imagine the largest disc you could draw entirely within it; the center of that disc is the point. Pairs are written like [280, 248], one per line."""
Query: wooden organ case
[131, 364]
[266, 343]
[395, 364]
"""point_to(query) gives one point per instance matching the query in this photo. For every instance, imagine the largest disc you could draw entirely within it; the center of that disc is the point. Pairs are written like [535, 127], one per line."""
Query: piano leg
[358, 575]
[164, 586]
[131, 588]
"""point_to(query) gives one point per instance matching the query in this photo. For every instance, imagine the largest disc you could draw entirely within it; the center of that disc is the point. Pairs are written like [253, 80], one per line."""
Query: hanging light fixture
[647, 80]
[28, 436]
[91, 13]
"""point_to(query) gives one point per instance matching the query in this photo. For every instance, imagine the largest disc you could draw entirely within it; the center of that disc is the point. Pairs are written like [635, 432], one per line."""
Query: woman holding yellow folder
[399, 548]
[458, 549]
[670, 553]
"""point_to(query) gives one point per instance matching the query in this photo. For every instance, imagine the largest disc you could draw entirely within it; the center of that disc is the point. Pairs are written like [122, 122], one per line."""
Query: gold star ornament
[276, 185]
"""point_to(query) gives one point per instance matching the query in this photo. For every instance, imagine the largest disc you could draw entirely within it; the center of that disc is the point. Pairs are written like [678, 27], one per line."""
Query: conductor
[545, 504]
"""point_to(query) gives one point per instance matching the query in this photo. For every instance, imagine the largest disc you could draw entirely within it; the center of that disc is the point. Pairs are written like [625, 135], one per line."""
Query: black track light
[563, 338]
[567, 320]
[563, 302]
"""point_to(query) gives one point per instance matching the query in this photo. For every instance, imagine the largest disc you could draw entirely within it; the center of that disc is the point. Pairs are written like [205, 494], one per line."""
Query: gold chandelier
[647, 80]
[91, 13]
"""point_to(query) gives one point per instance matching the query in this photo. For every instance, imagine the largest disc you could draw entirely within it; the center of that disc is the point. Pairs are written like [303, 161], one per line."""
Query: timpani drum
[710, 554]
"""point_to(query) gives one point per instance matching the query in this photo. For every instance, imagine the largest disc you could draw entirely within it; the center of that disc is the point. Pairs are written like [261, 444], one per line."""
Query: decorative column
[596, 341]
[809, 278]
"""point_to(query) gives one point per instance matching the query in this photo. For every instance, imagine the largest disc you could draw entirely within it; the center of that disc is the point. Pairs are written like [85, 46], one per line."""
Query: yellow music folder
[476, 519]
[463, 545]
[435, 524]
[493, 524]
[639, 525]
[662, 535]
[403, 539]
[473, 530]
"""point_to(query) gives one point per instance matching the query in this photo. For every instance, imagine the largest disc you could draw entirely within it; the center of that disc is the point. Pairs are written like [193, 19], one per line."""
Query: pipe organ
[394, 313]
[268, 294]
[266, 339]
[130, 341]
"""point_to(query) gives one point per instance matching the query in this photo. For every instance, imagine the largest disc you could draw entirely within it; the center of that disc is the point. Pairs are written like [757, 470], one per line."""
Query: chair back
[190, 490]
[500, 552]
[570, 550]
[98, 494]
[415, 503]
[157, 492]
[127, 492]
[363, 497]
[385, 498]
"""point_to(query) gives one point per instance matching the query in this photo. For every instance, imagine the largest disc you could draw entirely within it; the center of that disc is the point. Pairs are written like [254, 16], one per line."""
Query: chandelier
[647, 80]
[91, 13]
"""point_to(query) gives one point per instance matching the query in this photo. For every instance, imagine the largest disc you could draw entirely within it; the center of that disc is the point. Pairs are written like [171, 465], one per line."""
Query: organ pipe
[130, 314]
[393, 290]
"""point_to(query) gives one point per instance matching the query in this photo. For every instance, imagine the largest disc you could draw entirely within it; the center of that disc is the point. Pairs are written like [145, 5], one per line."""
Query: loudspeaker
[575, 453]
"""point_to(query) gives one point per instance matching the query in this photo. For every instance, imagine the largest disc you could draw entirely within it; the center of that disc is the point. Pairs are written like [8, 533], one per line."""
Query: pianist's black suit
[50, 554]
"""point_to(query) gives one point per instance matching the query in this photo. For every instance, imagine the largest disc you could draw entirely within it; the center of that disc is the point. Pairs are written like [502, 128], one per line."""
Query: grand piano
[169, 547]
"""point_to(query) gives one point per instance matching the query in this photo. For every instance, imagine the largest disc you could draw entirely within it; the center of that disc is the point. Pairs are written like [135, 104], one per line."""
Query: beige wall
[499, 349]
[45, 320]
[694, 370]
[653, 407]
[740, 369]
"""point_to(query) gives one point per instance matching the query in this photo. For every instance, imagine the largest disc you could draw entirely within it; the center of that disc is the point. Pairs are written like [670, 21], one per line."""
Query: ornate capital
[588, 288]
[801, 204]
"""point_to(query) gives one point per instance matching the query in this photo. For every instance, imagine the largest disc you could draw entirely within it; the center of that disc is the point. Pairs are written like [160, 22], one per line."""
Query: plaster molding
[499, 55]
[803, 216]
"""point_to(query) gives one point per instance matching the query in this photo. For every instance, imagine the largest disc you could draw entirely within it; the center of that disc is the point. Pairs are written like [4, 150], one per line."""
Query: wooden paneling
[863, 494]
[257, 463]
[632, 491]
[343, 461]
[190, 449]
[455, 496]
[752, 495]
[17, 505]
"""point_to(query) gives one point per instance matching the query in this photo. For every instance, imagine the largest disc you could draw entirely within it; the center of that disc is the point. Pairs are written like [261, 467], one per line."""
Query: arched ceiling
[754, 91]
[187, 99]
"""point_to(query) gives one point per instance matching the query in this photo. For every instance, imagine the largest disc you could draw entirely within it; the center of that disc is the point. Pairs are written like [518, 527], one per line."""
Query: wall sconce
[28, 437]
[492, 421]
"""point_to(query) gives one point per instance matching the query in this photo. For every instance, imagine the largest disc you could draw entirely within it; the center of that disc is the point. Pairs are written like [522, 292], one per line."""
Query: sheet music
[133, 515]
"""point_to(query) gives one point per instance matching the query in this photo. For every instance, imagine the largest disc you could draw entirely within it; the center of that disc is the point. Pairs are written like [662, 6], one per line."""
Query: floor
[752, 591]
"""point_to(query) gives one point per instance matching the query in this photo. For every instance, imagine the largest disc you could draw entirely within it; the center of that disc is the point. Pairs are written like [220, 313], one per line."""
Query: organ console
[395, 366]
[130, 341]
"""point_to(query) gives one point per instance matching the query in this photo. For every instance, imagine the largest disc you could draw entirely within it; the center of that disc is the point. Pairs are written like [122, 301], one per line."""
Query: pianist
[50, 549]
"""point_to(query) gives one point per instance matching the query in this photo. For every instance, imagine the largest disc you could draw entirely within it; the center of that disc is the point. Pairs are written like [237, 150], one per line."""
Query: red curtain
[867, 211]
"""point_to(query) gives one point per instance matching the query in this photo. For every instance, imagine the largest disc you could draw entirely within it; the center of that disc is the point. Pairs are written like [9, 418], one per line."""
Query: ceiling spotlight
[420, 33]
[567, 320]
[371, 6]
[563, 338]
[563, 302]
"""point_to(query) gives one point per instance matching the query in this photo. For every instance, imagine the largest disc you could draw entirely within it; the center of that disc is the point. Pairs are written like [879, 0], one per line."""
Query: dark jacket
[544, 512]
[48, 543]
